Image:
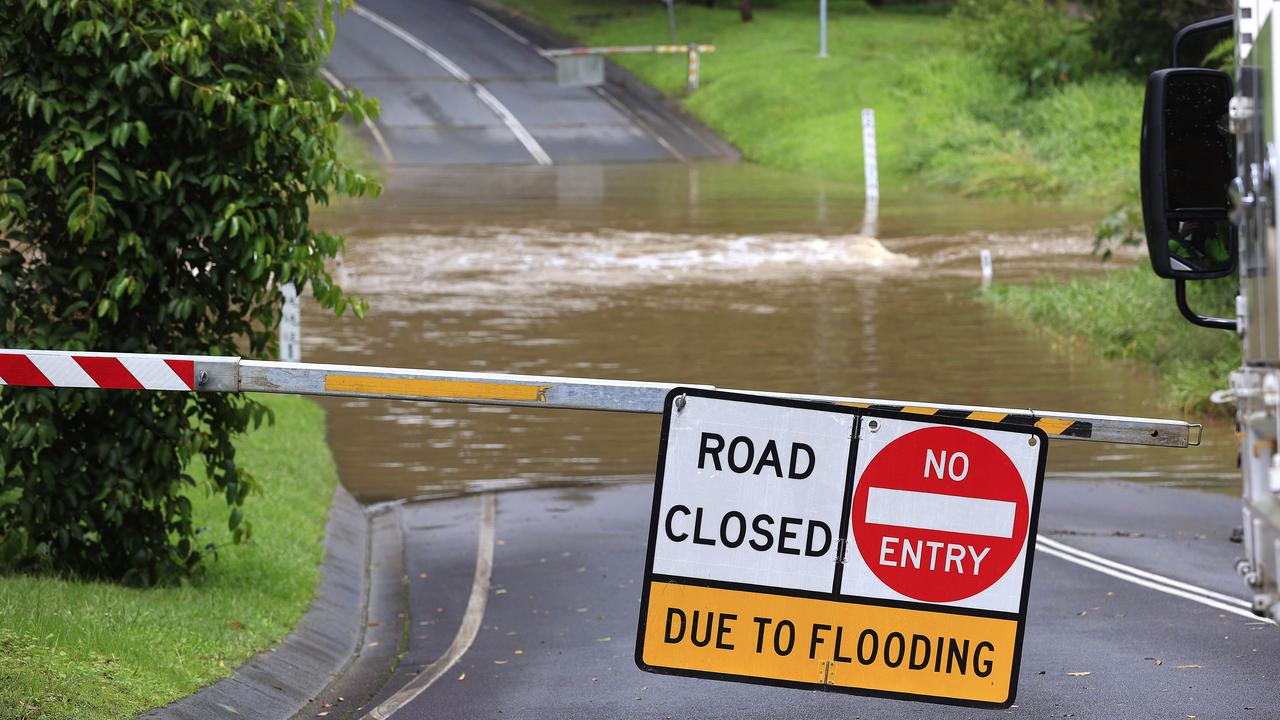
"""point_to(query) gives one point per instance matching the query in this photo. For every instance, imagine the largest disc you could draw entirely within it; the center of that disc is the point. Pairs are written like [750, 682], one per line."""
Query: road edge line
[471, 619]
[1151, 585]
[1121, 567]
[513, 124]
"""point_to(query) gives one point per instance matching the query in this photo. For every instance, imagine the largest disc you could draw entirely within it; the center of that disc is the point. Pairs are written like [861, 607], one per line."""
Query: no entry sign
[846, 549]
[940, 514]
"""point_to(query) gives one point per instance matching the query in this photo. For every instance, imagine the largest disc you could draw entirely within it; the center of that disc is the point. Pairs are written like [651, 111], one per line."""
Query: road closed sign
[840, 548]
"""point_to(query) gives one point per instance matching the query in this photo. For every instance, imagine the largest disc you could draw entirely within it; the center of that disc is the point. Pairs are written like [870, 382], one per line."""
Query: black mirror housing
[1188, 160]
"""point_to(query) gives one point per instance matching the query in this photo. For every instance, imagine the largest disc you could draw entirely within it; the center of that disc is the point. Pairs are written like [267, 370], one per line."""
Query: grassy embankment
[75, 649]
[945, 121]
[1130, 315]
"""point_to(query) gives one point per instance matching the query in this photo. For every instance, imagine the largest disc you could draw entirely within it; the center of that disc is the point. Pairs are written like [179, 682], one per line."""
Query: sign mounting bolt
[204, 378]
[1031, 441]
[680, 402]
[873, 425]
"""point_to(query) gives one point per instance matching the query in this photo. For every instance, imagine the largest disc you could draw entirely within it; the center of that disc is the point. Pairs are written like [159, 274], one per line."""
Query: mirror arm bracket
[1180, 292]
[1219, 23]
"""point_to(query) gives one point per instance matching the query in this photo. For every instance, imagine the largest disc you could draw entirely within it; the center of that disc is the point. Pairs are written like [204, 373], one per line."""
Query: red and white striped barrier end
[107, 371]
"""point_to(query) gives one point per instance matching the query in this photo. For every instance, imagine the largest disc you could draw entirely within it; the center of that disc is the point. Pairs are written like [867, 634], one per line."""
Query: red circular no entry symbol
[940, 514]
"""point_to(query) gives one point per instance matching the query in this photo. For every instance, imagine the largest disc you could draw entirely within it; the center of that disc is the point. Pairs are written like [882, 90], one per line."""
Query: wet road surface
[557, 629]
[461, 85]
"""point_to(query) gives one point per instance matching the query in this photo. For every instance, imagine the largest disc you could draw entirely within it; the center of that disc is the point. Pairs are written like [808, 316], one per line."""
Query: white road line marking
[1199, 595]
[641, 123]
[503, 28]
[1063, 547]
[470, 626]
[936, 511]
[540, 156]
[368, 122]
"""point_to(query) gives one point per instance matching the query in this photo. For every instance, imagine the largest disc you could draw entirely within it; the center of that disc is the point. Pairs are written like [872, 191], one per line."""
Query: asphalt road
[525, 604]
[557, 633]
[461, 85]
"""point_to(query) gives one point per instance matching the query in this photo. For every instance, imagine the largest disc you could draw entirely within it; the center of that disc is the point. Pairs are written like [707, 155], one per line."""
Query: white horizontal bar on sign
[945, 513]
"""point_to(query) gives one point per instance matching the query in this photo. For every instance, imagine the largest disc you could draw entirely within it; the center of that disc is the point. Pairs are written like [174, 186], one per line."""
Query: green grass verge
[944, 119]
[73, 649]
[1130, 314]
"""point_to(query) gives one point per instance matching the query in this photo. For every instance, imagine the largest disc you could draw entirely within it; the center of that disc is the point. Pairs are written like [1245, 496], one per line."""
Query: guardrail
[584, 66]
[124, 371]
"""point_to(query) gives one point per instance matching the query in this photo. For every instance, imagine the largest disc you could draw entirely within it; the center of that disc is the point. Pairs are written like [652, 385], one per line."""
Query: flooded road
[730, 275]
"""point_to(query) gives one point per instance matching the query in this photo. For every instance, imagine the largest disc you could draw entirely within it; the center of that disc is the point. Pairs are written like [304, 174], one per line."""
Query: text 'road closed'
[838, 644]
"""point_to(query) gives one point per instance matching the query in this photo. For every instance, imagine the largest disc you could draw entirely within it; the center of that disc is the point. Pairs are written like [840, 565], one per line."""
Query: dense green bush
[158, 160]
[1136, 36]
[1032, 40]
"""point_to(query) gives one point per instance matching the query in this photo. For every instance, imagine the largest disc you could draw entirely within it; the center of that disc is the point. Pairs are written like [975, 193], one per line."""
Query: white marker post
[822, 28]
[986, 267]
[871, 172]
[290, 325]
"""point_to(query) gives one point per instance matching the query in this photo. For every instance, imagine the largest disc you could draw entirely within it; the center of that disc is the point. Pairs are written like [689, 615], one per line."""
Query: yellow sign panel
[832, 644]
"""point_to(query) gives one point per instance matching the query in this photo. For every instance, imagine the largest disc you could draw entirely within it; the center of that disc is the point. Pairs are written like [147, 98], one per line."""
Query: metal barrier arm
[52, 368]
[627, 50]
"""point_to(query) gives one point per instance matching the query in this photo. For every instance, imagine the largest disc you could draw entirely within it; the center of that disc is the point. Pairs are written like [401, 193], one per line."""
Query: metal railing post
[693, 67]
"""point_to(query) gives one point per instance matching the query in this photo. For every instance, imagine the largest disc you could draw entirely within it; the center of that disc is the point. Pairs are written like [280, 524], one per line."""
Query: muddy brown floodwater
[730, 275]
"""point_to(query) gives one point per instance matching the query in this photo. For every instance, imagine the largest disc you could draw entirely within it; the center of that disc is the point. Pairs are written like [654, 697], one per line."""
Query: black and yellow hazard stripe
[1054, 427]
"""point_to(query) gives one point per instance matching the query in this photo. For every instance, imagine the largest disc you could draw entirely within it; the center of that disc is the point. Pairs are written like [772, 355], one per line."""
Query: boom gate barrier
[856, 565]
[129, 371]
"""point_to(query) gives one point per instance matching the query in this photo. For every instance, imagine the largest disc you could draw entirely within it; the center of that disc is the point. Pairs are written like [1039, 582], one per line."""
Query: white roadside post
[822, 28]
[985, 258]
[871, 173]
[290, 325]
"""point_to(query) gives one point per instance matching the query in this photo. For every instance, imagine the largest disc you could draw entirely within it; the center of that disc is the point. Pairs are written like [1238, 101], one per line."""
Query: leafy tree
[158, 159]
[1034, 41]
[1136, 36]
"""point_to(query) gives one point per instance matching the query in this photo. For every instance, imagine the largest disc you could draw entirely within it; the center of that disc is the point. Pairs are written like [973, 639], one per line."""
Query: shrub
[161, 156]
[1032, 40]
[1136, 36]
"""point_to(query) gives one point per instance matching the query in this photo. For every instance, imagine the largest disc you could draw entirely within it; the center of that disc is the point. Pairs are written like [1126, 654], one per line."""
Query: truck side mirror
[1188, 160]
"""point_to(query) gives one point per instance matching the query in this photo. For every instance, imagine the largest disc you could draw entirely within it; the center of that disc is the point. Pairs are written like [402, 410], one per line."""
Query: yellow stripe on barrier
[988, 416]
[920, 410]
[857, 405]
[449, 389]
[1054, 426]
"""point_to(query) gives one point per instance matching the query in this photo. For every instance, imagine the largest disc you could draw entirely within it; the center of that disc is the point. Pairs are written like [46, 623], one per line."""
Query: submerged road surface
[461, 86]
[524, 604]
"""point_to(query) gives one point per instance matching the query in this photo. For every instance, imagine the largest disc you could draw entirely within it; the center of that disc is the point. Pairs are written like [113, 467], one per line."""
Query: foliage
[1032, 40]
[975, 133]
[1136, 36]
[85, 649]
[942, 119]
[1122, 227]
[1129, 314]
[161, 157]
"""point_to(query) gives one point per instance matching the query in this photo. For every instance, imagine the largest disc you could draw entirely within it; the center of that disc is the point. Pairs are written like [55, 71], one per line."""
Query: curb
[640, 98]
[283, 680]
